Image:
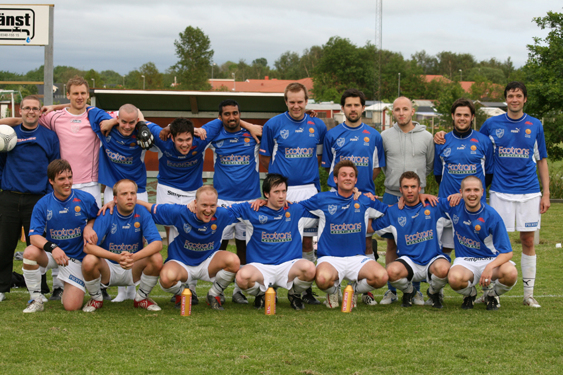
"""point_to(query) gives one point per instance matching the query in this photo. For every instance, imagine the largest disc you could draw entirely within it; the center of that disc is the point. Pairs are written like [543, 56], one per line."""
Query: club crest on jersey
[402, 220]
[108, 138]
[49, 214]
[75, 128]
[187, 228]
[284, 133]
[113, 228]
[447, 152]
[263, 219]
[340, 142]
[499, 133]
[332, 209]
[287, 216]
[219, 144]
[455, 219]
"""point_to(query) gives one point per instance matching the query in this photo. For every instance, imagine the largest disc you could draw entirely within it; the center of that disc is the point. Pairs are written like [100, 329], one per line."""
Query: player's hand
[401, 203]
[46, 109]
[255, 131]
[107, 125]
[109, 205]
[126, 260]
[311, 113]
[439, 137]
[201, 133]
[454, 199]
[486, 277]
[258, 203]
[60, 257]
[371, 196]
[144, 136]
[369, 228]
[90, 235]
[428, 198]
[191, 206]
[544, 204]
[165, 133]
[357, 193]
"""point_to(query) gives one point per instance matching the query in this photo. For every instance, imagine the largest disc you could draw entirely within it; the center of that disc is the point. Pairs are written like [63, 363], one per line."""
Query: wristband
[49, 246]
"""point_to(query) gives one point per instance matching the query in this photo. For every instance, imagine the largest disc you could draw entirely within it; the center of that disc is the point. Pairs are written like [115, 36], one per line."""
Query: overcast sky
[122, 35]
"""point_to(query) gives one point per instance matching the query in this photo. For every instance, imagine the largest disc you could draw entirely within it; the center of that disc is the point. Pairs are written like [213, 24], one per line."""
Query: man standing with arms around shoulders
[482, 248]
[292, 146]
[408, 147]
[23, 183]
[119, 258]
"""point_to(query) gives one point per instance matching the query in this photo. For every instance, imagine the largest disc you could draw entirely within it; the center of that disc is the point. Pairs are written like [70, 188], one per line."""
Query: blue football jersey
[362, 145]
[342, 222]
[462, 157]
[196, 240]
[480, 234]
[518, 145]
[417, 231]
[273, 236]
[293, 148]
[118, 233]
[63, 222]
[236, 165]
[179, 171]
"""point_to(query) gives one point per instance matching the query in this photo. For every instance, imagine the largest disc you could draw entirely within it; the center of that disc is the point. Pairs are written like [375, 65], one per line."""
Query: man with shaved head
[408, 147]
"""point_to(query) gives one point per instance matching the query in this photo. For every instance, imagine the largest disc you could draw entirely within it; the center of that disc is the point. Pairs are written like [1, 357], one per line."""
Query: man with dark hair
[416, 229]
[24, 182]
[292, 146]
[66, 216]
[353, 140]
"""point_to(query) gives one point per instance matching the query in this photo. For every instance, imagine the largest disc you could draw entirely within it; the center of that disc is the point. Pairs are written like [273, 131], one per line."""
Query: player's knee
[309, 270]
[441, 270]
[89, 263]
[233, 262]
[527, 239]
[380, 278]
[394, 272]
[168, 277]
[510, 275]
[156, 260]
[31, 252]
[242, 279]
[455, 280]
[323, 280]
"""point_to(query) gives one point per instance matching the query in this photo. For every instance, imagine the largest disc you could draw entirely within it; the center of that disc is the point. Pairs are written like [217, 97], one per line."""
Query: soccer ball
[8, 138]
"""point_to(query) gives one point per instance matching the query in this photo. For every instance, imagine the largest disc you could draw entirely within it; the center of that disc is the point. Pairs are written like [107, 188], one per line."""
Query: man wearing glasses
[24, 182]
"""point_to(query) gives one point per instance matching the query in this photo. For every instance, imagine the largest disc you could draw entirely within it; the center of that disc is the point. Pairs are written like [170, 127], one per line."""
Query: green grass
[376, 339]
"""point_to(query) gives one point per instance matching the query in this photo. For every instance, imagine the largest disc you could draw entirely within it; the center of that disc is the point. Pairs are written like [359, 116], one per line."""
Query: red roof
[257, 85]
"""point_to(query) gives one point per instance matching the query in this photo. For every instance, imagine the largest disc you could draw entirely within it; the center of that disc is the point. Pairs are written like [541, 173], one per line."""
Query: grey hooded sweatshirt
[412, 151]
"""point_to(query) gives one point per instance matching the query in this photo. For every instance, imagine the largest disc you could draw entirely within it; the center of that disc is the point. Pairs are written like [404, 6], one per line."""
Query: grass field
[375, 339]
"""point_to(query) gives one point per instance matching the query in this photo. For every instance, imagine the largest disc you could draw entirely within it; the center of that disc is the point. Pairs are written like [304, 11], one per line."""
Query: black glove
[144, 136]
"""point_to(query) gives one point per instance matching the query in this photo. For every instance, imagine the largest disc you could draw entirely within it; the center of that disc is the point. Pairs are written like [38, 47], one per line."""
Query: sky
[121, 35]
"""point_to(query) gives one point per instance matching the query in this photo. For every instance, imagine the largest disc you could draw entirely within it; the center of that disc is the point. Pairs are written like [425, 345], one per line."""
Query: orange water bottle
[186, 305]
[347, 299]
[270, 301]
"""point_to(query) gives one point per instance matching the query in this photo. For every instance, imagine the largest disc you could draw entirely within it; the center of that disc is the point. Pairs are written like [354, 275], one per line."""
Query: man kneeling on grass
[119, 259]
[482, 248]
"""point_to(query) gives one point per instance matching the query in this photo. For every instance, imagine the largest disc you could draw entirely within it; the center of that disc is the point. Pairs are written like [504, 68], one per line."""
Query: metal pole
[399, 89]
[48, 65]
[143, 81]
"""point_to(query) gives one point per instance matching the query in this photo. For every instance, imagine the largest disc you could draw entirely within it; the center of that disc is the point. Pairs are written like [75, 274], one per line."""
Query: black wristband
[49, 246]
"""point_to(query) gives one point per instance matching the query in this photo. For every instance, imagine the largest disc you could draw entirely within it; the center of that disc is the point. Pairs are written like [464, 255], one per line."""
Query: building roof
[257, 85]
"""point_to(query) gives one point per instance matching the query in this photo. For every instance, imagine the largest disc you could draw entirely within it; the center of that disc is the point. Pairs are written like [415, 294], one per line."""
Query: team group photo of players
[288, 234]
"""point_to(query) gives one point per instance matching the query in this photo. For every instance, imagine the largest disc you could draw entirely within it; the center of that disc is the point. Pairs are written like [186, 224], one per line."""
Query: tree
[448, 95]
[545, 86]
[289, 66]
[153, 78]
[193, 49]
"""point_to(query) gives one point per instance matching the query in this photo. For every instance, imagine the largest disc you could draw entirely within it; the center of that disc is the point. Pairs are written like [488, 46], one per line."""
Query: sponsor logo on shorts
[360, 161]
[418, 237]
[65, 234]
[117, 158]
[462, 168]
[117, 248]
[170, 192]
[467, 242]
[193, 246]
[299, 152]
[345, 228]
[76, 280]
[234, 159]
[276, 237]
[531, 225]
[513, 152]
[469, 259]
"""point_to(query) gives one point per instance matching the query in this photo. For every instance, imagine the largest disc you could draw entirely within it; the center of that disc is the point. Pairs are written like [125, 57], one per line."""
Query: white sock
[192, 285]
[93, 288]
[528, 264]
[33, 282]
[222, 280]
[237, 289]
[299, 286]
[371, 256]
[253, 290]
[174, 289]
[437, 283]
[362, 286]
[121, 290]
[403, 285]
[309, 256]
[500, 289]
[468, 291]
[57, 284]
[333, 289]
[145, 286]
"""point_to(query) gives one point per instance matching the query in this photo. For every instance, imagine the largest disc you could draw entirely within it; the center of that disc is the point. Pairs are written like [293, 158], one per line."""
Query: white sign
[24, 25]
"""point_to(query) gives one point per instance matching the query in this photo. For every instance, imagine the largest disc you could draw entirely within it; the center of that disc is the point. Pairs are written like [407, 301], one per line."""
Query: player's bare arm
[90, 235]
[254, 130]
[439, 137]
[265, 161]
[55, 107]
[58, 254]
[486, 276]
[544, 178]
[11, 121]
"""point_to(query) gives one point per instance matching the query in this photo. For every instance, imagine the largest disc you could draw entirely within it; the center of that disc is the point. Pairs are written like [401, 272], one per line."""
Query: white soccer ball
[8, 138]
